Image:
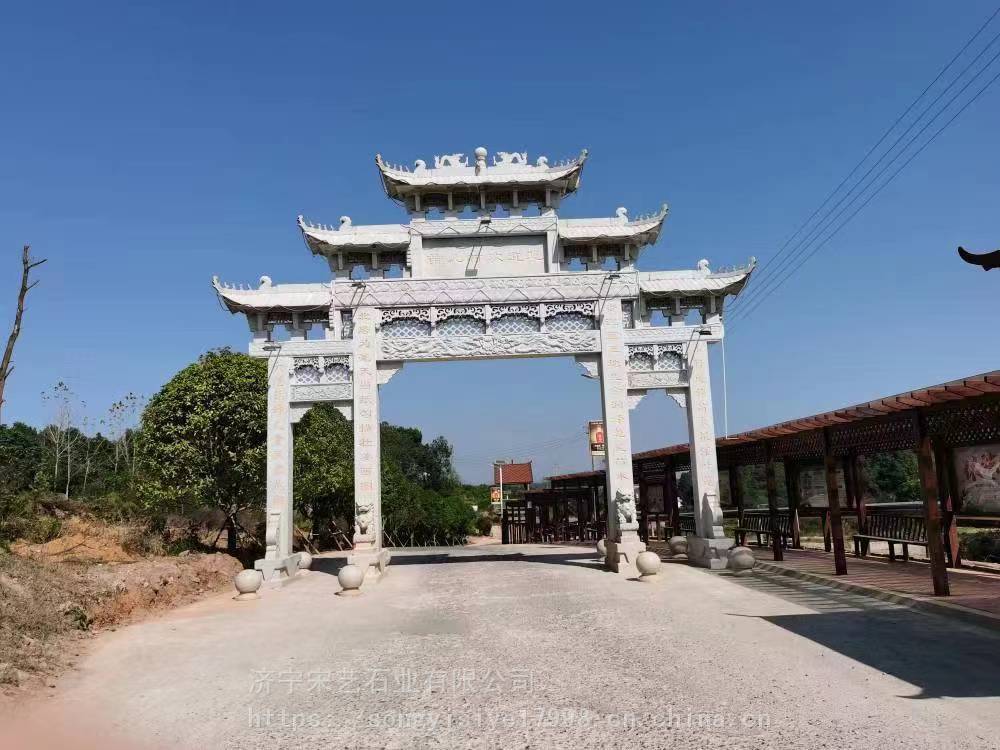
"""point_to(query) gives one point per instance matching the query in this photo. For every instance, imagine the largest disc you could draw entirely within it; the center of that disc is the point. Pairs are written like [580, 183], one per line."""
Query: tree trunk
[231, 546]
[6, 368]
[69, 467]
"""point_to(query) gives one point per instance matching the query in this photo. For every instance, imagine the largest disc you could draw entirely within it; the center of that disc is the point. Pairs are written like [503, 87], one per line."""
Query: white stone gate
[473, 276]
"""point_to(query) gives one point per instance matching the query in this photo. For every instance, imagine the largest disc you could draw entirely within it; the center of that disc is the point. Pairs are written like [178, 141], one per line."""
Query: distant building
[515, 478]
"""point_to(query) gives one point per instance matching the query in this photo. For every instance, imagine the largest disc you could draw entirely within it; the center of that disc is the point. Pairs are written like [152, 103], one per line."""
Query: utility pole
[499, 468]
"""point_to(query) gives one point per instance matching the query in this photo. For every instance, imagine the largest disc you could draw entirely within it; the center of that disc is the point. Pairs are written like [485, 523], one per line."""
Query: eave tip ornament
[986, 260]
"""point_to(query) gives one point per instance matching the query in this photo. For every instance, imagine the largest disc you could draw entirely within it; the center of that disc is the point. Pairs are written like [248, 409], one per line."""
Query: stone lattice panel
[640, 362]
[507, 324]
[971, 423]
[461, 325]
[306, 374]
[336, 372]
[406, 328]
[669, 360]
[569, 321]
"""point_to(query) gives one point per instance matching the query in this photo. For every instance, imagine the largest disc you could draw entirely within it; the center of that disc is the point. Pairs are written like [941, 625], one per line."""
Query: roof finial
[345, 222]
[622, 214]
[481, 154]
[703, 266]
[265, 282]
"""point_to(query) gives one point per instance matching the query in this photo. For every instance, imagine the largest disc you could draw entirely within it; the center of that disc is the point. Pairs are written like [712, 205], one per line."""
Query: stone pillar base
[374, 563]
[621, 556]
[709, 553]
[280, 570]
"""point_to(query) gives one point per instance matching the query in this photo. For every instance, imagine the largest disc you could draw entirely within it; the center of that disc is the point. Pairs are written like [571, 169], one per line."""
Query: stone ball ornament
[648, 563]
[350, 578]
[247, 583]
[305, 561]
[678, 545]
[741, 560]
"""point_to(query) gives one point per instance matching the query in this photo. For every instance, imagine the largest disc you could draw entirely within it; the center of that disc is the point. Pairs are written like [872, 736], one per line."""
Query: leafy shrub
[79, 617]
[983, 546]
[484, 524]
[43, 529]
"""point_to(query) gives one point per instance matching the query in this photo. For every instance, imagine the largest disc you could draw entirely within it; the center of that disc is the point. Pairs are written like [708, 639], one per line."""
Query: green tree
[893, 477]
[203, 438]
[324, 470]
[21, 448]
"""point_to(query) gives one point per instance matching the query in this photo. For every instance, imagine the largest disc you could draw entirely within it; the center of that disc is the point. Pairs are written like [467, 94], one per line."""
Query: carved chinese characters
[367, 476]
[701, 428]
[279, 463]
[614, 385]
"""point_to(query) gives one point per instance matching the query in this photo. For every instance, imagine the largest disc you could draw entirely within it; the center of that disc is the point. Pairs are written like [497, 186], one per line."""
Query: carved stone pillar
[367, 447]
[623, 543]
[278, 555]
[708, 546]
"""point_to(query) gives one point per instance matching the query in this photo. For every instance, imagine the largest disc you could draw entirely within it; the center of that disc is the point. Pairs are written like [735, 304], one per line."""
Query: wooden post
[932, 513]
[859, 489]
[792, 489]
[670, 497]
[772, 504]
[643, 507]
[833, 500]
[847, 465]
[736, 493]
[944, 459]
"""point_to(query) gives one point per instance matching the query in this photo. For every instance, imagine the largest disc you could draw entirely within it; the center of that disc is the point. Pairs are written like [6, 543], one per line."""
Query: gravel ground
[535, 647]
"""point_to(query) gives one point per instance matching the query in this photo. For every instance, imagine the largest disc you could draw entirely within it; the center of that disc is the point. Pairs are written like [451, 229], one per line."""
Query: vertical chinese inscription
[614, 390]
[367, 472]
[278, 541]
[701, 432]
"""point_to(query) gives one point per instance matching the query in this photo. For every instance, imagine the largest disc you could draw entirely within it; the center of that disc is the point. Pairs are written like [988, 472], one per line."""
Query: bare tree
[6, 368]
[62, 433]
[93, 446]
[121, 425]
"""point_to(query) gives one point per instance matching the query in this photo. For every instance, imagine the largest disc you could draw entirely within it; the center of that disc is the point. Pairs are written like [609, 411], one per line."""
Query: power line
[891, 178]
[741, 302]
[778, 277]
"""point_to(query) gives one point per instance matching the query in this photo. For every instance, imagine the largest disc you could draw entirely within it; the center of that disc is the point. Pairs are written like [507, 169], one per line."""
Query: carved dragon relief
[469, 347]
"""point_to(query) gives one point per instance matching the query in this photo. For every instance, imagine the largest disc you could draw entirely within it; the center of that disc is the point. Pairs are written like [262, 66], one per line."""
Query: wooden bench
[759, 522]
[893, 528]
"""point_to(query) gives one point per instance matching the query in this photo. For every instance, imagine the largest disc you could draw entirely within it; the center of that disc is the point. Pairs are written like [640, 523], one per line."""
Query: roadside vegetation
[155, 502]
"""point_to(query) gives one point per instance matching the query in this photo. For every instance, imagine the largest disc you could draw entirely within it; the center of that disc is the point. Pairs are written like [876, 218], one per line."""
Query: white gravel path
[535, 647]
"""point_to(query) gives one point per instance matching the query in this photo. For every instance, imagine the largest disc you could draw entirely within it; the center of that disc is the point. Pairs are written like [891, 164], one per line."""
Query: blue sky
[147, 146]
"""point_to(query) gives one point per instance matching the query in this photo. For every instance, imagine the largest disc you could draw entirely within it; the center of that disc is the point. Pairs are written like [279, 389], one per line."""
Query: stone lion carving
[626, 508]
